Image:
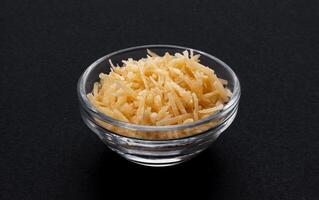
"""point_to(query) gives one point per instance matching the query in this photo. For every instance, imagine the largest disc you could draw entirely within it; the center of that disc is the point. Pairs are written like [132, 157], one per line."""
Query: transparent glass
[125, 138]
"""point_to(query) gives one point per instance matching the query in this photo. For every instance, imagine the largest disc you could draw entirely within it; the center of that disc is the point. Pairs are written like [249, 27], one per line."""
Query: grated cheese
[160, 90]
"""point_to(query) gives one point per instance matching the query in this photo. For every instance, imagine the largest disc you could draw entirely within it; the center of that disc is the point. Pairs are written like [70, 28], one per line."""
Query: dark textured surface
[270, 152]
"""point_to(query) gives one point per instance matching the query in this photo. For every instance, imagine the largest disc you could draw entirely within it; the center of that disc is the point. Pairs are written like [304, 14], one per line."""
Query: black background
[271, 151]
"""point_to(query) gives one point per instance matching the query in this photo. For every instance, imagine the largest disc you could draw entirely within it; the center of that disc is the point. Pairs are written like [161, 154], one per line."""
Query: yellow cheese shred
[160, 90]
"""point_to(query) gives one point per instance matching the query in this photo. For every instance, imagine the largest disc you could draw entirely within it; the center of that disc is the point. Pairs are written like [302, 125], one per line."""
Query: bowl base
[158, 162]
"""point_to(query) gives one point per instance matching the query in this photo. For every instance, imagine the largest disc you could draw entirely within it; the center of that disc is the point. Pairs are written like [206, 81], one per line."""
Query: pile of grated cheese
[160, 90]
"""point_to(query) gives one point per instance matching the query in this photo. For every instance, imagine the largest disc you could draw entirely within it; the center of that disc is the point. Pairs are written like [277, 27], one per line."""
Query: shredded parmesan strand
[173, 120]
[211, 110]
[195, 111]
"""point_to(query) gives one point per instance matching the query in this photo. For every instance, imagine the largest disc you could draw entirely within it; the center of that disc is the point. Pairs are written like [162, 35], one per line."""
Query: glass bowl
[185, 141]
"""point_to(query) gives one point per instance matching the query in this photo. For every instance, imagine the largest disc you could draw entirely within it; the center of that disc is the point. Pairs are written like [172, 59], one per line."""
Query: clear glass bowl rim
[85, 103]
